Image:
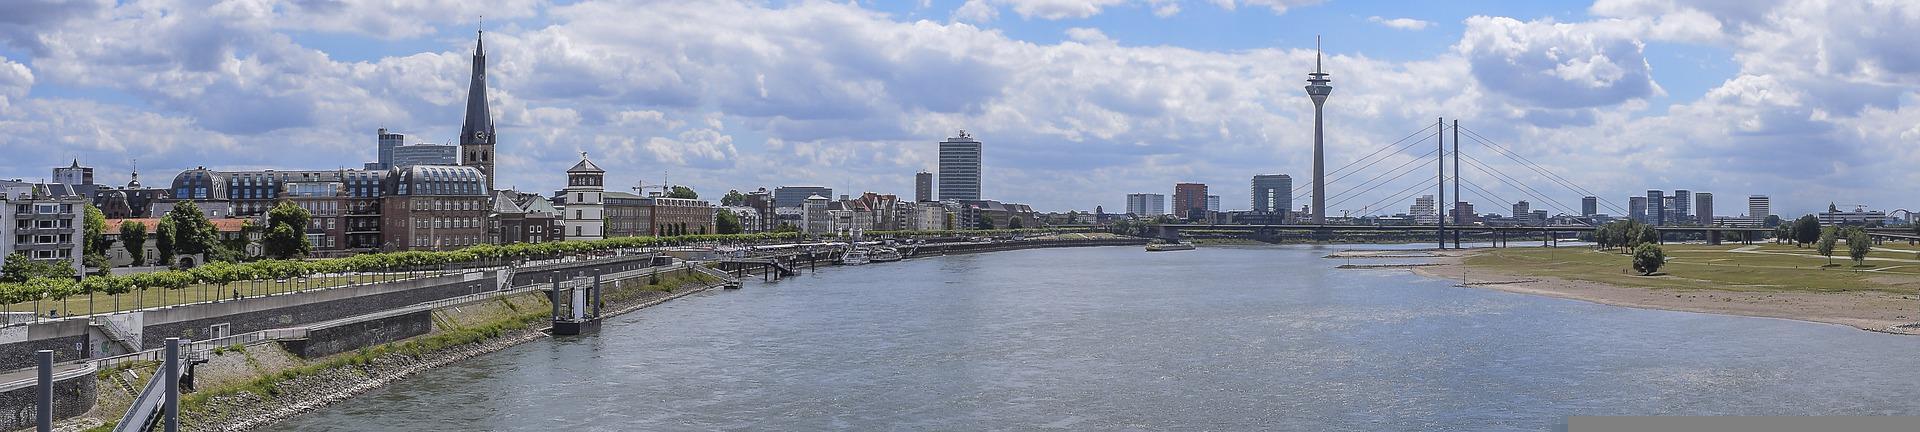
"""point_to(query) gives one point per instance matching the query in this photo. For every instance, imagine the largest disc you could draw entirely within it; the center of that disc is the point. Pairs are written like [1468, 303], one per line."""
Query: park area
[1890, 268]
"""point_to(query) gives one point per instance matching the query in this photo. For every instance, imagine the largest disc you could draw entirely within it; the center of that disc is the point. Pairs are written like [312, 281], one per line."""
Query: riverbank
[249, 387]
[1882, 307]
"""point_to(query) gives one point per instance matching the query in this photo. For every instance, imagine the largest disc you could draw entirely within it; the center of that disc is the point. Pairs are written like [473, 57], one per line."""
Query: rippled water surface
[1221, 338]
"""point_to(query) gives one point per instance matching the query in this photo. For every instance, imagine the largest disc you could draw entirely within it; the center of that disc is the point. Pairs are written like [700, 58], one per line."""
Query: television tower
[1318, 89]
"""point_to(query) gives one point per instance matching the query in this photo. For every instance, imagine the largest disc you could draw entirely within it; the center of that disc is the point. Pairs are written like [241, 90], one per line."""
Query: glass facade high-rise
[1682, 207]
[794, 196]
[1703, 207]
[923, 186]
[960, 168]
[1272, 193]
[1656, 210]
[1589, 206]
[1637, 208]
[1146, 204]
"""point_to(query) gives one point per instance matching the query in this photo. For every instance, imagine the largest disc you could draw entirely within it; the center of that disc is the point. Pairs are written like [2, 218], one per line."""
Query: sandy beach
[1872, 311]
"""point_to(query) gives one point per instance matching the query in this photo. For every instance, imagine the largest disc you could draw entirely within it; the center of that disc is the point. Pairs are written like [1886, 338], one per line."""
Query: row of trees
[1858, 243]
[38, 284]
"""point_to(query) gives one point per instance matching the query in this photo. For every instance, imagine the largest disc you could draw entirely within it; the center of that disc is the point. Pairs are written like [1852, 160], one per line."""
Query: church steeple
[476, 134]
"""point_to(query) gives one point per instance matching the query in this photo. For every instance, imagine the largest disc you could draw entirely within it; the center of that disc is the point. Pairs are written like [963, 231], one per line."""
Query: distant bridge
[1714, 234]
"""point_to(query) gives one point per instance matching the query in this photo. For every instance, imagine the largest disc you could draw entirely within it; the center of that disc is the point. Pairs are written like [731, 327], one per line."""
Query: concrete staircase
[117, 333]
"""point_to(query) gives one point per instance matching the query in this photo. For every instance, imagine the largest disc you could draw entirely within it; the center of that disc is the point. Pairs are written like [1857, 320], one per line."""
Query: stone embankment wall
[73, 394]
[249, 409]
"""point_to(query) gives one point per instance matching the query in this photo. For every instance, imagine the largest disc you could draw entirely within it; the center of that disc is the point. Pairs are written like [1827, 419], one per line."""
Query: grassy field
[1762, 268]
[102, 303]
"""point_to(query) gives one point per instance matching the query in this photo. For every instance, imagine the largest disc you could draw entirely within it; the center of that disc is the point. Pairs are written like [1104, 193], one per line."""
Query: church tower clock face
[479, 136]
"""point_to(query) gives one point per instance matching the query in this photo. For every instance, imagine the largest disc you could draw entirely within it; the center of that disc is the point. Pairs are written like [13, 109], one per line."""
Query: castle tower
[584, 217]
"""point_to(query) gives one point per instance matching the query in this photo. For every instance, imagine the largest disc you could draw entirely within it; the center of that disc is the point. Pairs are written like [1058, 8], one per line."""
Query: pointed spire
[1316, 54]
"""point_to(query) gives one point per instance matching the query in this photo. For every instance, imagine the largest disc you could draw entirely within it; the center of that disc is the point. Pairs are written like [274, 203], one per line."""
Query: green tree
[193, 234]
[1015, 223]
[133, 235]
[1828, 237]
[1648, 258]
[984, 222]
[96, 235]
[733, 198]
[1858, 244]
[682, 192]
[725, 222]
[286, 233]
[1806, 230]
[20, 268]
[163, 238]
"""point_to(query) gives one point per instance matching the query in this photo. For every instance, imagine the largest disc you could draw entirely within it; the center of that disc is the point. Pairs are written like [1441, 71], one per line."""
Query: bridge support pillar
[1713, 237]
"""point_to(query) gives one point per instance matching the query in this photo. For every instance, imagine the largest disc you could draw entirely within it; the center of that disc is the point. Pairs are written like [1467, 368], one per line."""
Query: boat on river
[885, 254]
[855, 255]
[1164, 247]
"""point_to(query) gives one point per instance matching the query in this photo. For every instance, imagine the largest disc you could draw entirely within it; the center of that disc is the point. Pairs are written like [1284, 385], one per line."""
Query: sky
[1078, 102]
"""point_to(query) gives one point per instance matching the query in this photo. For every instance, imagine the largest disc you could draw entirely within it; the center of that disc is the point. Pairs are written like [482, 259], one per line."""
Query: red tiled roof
[153, 224]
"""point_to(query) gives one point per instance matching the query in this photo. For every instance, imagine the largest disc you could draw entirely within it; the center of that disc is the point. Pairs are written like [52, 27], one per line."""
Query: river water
[1221, 338]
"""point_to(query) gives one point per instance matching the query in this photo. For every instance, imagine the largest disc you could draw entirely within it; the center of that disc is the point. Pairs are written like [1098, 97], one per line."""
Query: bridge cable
[1377, 161]
[1402, 195]
[1396, 143]
[1403, 173]
[1421, 158]
[1529, 164]
[1522, 187]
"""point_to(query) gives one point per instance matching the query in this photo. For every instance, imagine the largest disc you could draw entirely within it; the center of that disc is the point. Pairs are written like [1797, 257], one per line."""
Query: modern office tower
[1682, 207]
[388, 141]
[1759, 207]
[1213, 203]
[1668, 214]
[794, 196]
[1272, 193]
[1463, 213]
[1637, 208]
[960, 168]
[923, 186]
[1188, 198]
[476, 134]
[1423, 211]
[1146, 204]
[1520, 210]
[1703, 207]
[1318, 87]
[424, 154]
[1656, 211]
[1589, 206]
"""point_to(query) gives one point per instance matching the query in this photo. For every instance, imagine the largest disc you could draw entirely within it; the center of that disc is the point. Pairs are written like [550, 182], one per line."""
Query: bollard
[172, 365]
[45, 398]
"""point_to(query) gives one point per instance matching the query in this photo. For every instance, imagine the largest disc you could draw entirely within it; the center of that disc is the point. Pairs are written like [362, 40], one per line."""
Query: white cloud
[15, 81]
[1400, 23]
[987, 10]
[1546, 64]
[734, 95]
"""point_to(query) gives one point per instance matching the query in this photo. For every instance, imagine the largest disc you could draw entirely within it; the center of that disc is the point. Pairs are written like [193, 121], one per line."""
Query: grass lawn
[1775, 268]
[102, 303]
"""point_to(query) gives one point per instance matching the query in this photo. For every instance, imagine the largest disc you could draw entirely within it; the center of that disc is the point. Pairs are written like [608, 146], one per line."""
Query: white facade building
[1423, 211]
[584, 217]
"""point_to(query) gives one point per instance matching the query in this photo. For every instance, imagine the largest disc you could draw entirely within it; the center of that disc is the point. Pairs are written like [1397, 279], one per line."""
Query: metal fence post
[45, 398]
[172, 365]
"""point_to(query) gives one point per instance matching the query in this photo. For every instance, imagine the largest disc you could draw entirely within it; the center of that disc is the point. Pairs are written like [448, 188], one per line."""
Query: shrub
[1648, 258]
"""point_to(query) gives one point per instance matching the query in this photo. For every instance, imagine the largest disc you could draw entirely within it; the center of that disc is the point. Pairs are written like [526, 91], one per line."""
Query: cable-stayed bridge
[1384, 169]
